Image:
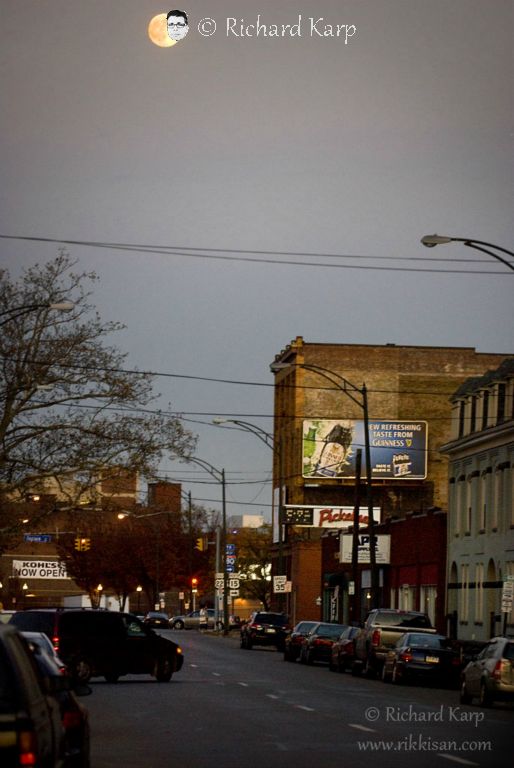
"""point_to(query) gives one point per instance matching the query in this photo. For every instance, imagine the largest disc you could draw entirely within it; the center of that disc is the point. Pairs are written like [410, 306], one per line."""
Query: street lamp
[430, 241]
[219, 476]
[268, 440]
[359, 395]
[58, 306]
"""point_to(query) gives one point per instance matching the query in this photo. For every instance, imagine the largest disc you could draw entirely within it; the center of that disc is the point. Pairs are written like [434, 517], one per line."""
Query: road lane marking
[362, 727]
[245, 685]
[216, 674]
[305, 709]
[272, 696]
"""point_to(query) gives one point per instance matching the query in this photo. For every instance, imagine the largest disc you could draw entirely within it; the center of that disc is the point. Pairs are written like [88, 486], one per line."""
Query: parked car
[156, 620]
[264, 628]
[58, 683]
[31, 731]
[192, 620]
[43, 641]
[422, 656]
[343, 650]
[381, 630]
[317, 645]
[5, 616]
[95, 643]
[293, 639]
[490, 677]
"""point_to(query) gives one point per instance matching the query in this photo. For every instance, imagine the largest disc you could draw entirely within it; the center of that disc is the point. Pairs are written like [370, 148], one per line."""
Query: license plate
[432, 659]
[270, 630]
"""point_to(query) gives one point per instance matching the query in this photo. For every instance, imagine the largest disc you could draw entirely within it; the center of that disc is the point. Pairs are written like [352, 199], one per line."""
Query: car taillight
[456, 661]
[256, 626]
[27, 746]
[375, 637]
[71, 719]
[406, 656]
[55, 643]
[497, 671]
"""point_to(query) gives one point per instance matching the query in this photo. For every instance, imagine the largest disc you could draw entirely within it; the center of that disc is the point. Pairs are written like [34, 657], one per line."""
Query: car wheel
[465, 697]
[163, 670]
[242, 641]
[309, 658]
[178, 624]
[81, 669]
[484, 698]
[395, 677]
[384, 675]
[112, 676]
[369, 669]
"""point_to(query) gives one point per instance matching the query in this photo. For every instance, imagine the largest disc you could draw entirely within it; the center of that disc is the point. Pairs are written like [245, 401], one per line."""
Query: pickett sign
[326, 517]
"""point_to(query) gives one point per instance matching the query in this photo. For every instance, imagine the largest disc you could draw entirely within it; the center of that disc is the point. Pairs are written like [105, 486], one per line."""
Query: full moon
[158, 32]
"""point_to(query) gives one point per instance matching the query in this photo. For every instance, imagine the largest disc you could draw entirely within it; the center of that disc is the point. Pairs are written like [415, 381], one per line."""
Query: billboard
[310, 516]
[398, 449]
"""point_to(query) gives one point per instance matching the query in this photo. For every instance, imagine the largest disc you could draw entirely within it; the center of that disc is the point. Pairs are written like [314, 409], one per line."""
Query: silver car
[490, 677]
[192, 620]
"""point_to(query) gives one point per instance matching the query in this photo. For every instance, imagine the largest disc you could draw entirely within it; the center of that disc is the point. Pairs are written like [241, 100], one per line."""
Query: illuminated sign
[398, 449]
[325, 517]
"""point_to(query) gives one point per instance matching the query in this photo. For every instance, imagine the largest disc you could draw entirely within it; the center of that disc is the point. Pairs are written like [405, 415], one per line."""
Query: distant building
[245, 521]
[481, 503]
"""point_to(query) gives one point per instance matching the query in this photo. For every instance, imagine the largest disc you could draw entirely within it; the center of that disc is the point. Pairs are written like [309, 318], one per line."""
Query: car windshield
[508, 652]
[427, 641]
[329, 630]
[271, 618]
[403, 619]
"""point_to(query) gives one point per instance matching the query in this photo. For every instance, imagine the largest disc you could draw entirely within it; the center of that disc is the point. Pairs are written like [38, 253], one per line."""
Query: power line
[227, 254]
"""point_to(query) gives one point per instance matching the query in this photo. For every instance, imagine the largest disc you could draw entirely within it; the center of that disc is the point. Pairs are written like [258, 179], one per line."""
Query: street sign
[230, 549]
[507, 594]
[279, 584]
[37, 538]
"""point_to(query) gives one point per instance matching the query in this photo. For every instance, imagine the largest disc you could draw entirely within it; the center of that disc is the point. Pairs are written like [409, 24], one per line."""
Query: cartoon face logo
[177, 25]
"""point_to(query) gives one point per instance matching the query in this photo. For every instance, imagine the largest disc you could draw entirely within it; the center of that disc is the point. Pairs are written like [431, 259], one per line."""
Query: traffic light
[200, 544]
[82, 544]
[194, 584]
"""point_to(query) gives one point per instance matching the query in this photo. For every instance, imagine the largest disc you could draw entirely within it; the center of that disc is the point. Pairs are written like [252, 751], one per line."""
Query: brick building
[321, 386]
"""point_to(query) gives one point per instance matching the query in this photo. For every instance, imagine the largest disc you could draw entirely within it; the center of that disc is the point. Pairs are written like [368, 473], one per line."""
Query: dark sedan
[343, 650]
[294, 639]
[421, 656]
[317, 645]
[156, 620]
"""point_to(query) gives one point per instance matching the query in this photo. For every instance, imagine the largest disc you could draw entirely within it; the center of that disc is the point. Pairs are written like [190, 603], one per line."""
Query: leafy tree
[254, 564]
[68, 409]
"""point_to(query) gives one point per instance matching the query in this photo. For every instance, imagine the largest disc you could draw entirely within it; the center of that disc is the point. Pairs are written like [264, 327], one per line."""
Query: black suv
[263, 628]
[31, 731]
[96, 643]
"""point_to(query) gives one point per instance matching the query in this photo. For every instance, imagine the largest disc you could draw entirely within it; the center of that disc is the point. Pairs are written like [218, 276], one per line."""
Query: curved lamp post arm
[246, 426]
[430, 241]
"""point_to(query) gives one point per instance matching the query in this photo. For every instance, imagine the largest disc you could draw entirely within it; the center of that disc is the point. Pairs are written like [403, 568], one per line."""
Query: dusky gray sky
[283, 143]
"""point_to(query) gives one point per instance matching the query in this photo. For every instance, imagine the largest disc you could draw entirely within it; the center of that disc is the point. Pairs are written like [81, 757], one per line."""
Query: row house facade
[481, 504]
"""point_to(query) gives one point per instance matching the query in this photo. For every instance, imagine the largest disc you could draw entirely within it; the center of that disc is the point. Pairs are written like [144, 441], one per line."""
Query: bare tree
[68, 409]
[254, 564]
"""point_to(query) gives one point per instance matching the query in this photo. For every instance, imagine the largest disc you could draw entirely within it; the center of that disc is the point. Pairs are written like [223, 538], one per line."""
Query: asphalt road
[232, 707]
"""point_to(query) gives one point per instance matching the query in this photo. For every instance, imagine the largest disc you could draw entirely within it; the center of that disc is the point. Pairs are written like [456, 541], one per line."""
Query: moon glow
[158, 32]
